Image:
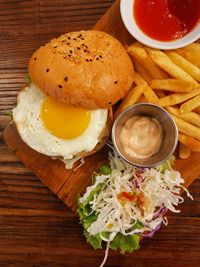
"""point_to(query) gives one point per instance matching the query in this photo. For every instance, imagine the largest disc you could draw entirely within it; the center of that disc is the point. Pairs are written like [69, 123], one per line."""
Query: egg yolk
[64, 121]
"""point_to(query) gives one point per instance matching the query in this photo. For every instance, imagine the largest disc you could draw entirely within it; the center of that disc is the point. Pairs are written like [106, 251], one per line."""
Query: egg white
[33, 132]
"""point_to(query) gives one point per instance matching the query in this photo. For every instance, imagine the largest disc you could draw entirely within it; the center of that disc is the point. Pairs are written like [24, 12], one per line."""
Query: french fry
[190, 117]
[150, 95]
[190, 104]
[184, 64]
[187, 128]
[190, 142]
[172, 85]
[142, 71]
[197, 110]
[165, 63]
[138, 44]
[184, 151]
[194, 47]
[178, 98]
[131, 98]
[146, 76]
[193, 57]
[142, 99]
[148, 92]
[160, 93]
[137, 78]
[140, 54]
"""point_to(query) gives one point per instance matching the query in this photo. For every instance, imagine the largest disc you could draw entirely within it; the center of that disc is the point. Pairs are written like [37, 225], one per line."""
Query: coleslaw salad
[126, 203]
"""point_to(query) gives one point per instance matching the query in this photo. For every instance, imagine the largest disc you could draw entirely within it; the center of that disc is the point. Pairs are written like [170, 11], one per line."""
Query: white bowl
[126, 9]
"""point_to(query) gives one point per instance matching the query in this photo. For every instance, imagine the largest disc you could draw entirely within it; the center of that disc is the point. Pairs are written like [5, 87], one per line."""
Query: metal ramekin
[170, 138]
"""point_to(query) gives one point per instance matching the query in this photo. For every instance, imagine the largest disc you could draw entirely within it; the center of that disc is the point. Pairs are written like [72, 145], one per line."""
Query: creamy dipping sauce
[141, 136]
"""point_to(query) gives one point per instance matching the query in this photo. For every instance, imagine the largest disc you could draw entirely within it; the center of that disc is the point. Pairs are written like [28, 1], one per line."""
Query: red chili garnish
[126, 196]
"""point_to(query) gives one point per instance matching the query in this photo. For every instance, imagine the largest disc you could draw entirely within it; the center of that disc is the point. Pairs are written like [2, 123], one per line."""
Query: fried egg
[56, 129]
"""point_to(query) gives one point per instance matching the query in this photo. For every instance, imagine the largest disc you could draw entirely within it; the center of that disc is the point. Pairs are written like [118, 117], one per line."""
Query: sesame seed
[115, 82]
[66, 78]
[68, 38]
[35, 58]
[100, 56]
[47, 70]
[60, 86]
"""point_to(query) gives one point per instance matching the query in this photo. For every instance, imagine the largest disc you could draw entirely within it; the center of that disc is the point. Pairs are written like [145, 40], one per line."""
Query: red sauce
[166, 20]
[126, 196]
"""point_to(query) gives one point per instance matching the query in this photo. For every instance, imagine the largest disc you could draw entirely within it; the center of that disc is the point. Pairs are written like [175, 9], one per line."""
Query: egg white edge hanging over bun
[27, 117]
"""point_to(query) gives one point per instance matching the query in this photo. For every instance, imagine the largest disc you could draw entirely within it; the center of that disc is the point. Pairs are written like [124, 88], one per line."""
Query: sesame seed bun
[89, 69]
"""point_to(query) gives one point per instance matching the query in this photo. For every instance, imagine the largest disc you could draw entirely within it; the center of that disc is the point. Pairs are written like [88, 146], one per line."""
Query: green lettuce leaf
[94, 240]
[137, 225]
[105, 170]
[126, 243]
[10, 113]
[86, 216]
[89, 220]
[165, 166]
[27, 79]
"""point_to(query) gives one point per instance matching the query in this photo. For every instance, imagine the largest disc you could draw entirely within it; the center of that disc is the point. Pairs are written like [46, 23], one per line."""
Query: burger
[65, 112]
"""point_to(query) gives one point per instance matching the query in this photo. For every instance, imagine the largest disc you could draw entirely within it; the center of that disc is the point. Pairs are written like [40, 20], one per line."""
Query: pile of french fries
[170, 79]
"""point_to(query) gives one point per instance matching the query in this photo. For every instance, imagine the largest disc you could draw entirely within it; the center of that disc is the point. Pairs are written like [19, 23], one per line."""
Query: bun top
[89, 69]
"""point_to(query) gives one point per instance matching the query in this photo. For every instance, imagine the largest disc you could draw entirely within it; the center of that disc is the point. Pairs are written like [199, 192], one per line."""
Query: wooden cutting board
[67, 184]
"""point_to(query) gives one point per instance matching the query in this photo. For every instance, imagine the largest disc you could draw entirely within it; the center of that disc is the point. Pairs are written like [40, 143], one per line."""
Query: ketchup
[166, 20]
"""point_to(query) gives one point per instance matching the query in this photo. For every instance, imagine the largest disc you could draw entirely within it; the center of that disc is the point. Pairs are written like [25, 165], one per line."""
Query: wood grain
[67, 184]
[36, 228]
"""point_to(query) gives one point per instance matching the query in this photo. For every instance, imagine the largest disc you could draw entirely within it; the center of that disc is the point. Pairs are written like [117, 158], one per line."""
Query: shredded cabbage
[129, 202]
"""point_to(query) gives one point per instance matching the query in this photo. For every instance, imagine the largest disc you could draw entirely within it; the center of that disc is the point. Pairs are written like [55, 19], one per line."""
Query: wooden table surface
[36, 228]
